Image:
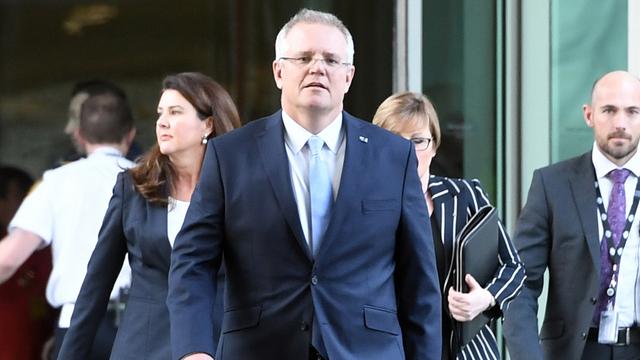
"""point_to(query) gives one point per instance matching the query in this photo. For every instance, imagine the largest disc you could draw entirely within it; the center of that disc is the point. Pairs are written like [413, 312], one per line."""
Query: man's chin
[620, 152]
[317, 105]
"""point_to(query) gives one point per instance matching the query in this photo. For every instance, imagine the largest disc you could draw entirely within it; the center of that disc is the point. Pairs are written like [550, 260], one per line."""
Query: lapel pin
[364, 139]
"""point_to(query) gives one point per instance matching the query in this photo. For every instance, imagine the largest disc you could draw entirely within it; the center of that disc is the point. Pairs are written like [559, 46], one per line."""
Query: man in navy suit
[340, 271]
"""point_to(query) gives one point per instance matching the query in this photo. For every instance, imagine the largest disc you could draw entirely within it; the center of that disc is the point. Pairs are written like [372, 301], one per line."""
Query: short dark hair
[105, 118]
[13, 175]
[96, 87]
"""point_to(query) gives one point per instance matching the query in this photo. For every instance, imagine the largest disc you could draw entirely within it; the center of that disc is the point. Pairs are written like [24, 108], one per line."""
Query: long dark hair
[154, 174]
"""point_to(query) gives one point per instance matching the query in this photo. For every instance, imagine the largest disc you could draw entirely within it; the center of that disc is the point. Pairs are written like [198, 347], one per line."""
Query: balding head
[618, 79]
[614, 115]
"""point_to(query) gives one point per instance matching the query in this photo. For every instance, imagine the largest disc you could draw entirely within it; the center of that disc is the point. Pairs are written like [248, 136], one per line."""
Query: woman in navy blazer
[143, 218]
[451, 203]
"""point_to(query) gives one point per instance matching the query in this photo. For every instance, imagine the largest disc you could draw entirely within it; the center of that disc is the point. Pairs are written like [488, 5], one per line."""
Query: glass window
[47, 46]
[459, 76]
[588, 39]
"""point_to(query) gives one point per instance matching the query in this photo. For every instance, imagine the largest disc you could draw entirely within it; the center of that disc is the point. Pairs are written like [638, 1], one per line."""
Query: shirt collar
[604, 166]
[107, 150]
[296, 136]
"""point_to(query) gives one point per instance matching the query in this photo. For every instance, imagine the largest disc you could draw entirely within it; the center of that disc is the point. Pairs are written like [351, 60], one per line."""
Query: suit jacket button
[304, 326]
[584, 336]
[314, 280]
[594, 300]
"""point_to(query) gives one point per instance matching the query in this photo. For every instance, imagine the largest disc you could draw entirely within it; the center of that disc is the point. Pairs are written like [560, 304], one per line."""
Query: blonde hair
[411, 108]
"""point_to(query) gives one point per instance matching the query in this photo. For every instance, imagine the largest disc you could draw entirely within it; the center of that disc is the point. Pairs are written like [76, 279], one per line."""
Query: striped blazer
[454, 202]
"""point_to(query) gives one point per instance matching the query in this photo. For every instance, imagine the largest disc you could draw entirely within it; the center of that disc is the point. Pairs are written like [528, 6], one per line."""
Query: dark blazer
[135, 227]
[454, 202]
[558, 230]
[372, 286]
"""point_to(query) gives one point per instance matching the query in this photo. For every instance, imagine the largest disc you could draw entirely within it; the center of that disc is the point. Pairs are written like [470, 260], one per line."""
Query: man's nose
[318, 64]
[621, 120]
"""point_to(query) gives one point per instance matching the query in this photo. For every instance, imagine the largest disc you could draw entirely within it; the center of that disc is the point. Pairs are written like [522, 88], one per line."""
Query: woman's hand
[465, 307]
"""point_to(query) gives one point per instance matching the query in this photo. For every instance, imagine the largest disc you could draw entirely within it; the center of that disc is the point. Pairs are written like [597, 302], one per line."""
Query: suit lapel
[276, 163]
[156, 229]
[584, 195]
[356, 158]
[443, 194]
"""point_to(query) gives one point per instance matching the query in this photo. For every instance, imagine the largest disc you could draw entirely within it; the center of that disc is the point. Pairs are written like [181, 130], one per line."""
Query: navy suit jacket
[372, 286]
[557, 230]
[138, 228]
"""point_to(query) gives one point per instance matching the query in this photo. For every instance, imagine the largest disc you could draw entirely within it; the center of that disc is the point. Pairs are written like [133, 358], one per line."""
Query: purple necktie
[616, 217]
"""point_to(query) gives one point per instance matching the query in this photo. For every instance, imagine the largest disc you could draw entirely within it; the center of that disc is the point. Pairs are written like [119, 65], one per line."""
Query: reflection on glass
[47, 46]
[459, 76]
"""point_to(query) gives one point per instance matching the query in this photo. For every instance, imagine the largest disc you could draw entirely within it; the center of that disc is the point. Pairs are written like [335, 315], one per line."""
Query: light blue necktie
[320, 199]
[320, 193]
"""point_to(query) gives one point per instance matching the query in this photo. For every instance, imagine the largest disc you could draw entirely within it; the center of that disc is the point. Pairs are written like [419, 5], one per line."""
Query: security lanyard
[615, 252]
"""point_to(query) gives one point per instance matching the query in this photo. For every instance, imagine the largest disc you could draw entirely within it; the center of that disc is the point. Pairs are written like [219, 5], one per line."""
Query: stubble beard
[619, 152]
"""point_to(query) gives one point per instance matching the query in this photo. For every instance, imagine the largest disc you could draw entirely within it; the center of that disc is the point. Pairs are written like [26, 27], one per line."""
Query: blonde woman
[412, 116]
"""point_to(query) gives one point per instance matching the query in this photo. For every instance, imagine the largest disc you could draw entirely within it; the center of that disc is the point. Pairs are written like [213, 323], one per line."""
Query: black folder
[475, 253]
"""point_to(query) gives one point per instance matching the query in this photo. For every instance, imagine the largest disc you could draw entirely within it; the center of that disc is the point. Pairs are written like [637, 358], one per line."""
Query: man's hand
[47, 349]
[465, 307]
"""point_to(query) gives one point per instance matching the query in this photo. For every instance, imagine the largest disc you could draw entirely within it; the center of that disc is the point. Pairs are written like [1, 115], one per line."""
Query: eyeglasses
[304, 61]
[421, 143]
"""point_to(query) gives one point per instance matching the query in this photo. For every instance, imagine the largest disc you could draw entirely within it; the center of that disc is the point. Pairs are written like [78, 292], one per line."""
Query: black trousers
[596, 351]
[314, 354]
[103, 342]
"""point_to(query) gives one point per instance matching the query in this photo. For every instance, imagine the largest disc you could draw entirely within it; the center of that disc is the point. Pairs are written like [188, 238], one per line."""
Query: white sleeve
[35, 214]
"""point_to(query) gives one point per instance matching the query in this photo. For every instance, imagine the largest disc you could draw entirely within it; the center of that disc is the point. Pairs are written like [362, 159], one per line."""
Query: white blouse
[175, 217]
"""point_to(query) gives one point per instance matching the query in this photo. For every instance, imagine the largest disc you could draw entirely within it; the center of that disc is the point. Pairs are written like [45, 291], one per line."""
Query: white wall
[634, 37]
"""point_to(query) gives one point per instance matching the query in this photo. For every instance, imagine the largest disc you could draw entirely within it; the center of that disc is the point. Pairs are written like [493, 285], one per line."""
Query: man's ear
[79, 138]
[277, 73]
[130, 136]
[349, 77]
[587, 113]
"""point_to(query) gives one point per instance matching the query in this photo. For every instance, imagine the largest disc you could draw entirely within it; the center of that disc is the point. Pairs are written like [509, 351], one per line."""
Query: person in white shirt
[144, 215]
[66, 209]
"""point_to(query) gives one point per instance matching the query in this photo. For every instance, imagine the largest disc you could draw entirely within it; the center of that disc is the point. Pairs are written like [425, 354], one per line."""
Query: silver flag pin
[363, 139]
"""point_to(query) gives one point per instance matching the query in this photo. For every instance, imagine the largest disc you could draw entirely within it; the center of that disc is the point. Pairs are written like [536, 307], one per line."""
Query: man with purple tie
[320, 219]
[581, 223]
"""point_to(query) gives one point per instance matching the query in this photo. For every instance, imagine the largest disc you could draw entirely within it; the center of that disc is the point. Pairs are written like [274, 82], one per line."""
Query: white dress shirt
[66, 210]
[177, 210]
[332, 154]
[628, 276]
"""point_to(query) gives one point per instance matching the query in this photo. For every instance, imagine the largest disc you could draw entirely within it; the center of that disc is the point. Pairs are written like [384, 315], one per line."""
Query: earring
[204, 140]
